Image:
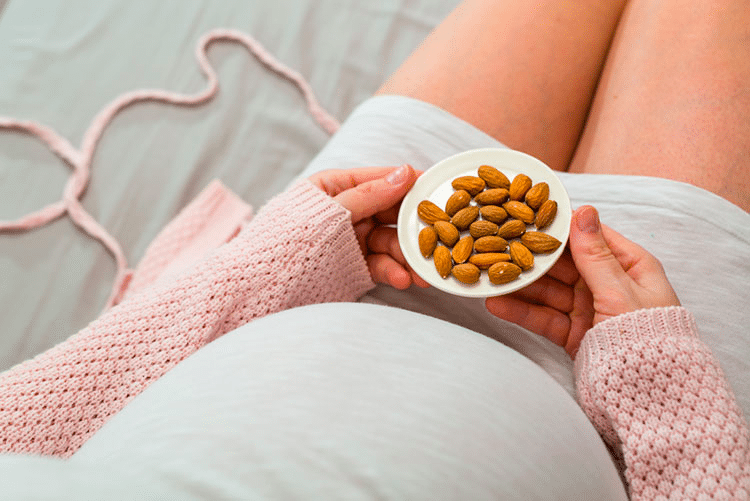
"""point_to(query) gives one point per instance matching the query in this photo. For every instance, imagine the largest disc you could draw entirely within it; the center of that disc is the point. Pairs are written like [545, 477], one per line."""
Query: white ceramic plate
[435, 185]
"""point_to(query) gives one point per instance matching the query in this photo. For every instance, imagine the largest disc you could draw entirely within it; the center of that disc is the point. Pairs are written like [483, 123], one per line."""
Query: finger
[389, 216]
[366, 174]
[334, 181]
[548, 291]
[643, 267]
[564, 269]
[376, 195]
[418, 281]
[384, 240]
[628, 253]
[594, 259]
[385, 270]
[362, 230]
[637, 262]
[542, 320]
[581, 318]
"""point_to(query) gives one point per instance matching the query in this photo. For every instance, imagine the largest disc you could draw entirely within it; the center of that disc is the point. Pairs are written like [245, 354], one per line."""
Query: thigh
[524, 72]
[674, 99]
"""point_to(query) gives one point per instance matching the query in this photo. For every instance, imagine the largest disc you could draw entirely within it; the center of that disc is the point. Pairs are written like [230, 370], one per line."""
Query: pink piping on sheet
[80, 159]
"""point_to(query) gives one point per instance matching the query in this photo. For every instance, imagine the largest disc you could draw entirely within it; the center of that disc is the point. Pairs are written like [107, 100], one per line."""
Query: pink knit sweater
[300, 249]
[649, 385]
[658, 397]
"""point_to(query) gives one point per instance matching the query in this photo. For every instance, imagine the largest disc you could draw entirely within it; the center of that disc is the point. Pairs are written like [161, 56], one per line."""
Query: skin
[637, 87]
[643, 87]
[674, 100]
[602, 275]
[524, 72]
[373, 200]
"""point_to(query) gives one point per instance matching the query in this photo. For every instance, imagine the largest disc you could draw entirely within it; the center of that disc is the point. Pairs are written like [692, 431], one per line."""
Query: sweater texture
[652, 389]
[300, 249]
[659, 399]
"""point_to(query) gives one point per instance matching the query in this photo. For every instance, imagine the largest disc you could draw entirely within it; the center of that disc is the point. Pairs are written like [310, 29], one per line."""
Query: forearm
[657, 395]
[300, 249]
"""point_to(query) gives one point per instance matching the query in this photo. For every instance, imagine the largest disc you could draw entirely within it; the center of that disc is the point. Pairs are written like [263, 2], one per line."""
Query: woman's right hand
[607, 276]
[373, 196]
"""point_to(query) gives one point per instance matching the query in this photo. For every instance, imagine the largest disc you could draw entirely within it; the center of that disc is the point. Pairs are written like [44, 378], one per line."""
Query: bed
[62, 61]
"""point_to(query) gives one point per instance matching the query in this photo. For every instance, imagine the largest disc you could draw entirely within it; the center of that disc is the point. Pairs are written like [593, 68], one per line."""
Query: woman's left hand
[373, 195]
[603, 275]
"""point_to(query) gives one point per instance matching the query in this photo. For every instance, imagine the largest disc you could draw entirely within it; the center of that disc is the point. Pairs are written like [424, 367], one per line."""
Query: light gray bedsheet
[61, 61]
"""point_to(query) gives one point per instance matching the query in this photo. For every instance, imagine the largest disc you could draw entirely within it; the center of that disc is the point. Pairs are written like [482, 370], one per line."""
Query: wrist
[640, 326]
[320, 230]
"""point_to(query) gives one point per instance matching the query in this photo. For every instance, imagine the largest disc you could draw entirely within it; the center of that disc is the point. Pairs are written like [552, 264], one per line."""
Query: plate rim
[435, 179]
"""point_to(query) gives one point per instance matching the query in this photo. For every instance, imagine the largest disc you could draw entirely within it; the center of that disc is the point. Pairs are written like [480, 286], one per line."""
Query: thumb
[593, 258]
[373, 196]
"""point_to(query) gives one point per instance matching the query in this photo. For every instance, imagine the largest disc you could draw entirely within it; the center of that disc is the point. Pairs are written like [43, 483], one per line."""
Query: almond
[427, 241]
[539, 242]
[447, 233]
[463, 218]
[457, 201]
[479, 229]
[502, 273]
[519, 210]
[466, 273]
[493, 196]
[429, 212]
[442, 259]
[537, 195]
[546, 214]
[493, 213]
[484, 261]
[463, 249]
[490, 244]
[522, 256]
[520, 185]
[472, 184]
[511, 229]
[493, 177]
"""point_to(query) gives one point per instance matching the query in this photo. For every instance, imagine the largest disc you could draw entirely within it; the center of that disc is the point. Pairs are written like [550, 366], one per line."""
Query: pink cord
[80, 159]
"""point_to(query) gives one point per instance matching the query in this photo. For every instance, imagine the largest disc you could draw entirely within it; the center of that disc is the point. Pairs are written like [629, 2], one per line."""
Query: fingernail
[587, 219]
[399, 176]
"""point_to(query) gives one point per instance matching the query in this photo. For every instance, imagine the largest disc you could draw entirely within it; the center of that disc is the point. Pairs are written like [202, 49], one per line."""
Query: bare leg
[524, 72]
[674, 100]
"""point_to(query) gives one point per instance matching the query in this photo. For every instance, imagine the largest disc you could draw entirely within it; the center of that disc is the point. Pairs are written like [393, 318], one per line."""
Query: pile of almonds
[497, 222]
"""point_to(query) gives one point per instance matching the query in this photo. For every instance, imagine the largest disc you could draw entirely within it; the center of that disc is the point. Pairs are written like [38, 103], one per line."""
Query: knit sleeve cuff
[616, 333]
[320, 228]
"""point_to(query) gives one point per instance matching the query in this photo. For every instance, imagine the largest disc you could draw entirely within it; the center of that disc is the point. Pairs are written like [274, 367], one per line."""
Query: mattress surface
[62, 61]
